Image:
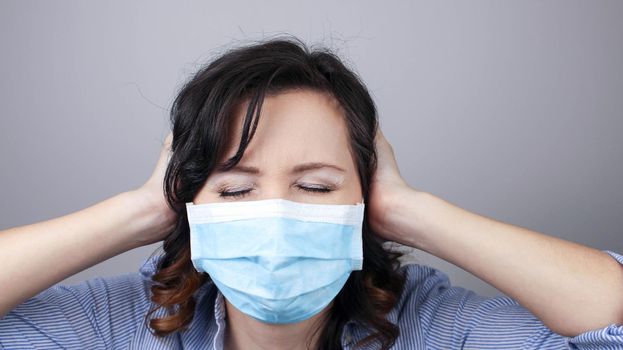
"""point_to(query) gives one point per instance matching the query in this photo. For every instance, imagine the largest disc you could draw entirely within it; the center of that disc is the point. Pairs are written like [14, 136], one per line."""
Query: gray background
[508, 109]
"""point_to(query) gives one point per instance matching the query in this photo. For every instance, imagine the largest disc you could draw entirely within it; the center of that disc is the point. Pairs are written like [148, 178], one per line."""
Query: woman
[273, 123]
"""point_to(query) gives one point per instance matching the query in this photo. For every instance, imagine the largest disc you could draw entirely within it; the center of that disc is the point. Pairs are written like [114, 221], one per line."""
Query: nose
[277, 189]
[274, 263]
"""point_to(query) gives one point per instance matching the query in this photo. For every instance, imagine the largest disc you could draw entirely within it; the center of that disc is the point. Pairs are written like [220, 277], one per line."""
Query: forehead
[295, 126]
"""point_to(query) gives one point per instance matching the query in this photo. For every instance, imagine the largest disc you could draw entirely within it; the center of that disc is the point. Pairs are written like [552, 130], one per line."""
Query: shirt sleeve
[101, 313]
[456, 318]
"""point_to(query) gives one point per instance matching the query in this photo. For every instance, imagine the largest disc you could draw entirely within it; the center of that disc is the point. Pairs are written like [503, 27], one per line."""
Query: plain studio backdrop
[512, 110]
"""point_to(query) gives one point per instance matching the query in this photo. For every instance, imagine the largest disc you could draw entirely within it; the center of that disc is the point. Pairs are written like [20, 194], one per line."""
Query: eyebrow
[296, 170]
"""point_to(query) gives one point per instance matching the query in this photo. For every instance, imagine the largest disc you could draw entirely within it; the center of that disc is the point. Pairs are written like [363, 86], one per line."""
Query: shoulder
[428, 292]
[421, 282]
[430, 305]
[99, 312]
[417, 274]
[427, 285]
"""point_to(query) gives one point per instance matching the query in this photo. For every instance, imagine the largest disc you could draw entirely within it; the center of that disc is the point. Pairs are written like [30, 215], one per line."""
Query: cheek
[206, 195]
[351, 192]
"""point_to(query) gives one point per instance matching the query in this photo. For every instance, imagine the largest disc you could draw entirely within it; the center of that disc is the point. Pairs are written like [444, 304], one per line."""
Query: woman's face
[300, 152]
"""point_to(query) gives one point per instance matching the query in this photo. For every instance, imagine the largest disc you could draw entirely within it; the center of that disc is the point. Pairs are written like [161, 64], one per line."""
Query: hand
[386, 189]
[151, 197]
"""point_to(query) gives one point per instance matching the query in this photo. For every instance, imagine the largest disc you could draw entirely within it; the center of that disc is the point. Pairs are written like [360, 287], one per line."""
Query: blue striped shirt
[108, 313]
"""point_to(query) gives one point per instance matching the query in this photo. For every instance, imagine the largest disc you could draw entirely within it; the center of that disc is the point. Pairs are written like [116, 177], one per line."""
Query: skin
[529, 266]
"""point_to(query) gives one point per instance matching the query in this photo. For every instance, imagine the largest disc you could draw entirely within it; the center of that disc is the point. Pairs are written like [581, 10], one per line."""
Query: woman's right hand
[150, 197]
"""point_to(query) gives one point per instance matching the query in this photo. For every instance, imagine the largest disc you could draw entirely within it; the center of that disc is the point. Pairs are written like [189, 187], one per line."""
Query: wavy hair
[201, 115]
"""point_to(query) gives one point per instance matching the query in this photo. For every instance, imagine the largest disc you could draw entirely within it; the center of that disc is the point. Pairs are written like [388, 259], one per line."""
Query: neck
[245, 332]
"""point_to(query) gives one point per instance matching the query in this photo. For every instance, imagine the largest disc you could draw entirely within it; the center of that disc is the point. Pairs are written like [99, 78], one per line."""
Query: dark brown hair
[201, 116]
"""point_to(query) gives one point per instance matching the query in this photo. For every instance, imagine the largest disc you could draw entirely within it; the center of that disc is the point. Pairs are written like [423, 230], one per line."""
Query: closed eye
[242, 193]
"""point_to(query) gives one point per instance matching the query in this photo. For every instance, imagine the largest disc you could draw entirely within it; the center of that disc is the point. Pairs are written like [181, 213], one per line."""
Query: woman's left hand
[386, 190]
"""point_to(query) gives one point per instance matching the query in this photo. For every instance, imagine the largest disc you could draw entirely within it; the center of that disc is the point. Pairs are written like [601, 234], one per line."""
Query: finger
[164, 157]
[381, 141]
[168, 140]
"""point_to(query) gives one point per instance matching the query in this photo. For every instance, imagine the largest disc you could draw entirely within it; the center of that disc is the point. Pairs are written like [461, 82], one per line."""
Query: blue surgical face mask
[277, 260]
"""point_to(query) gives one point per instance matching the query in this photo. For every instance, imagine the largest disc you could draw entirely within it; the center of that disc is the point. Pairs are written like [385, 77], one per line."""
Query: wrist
[151, 220]
[406, 218]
